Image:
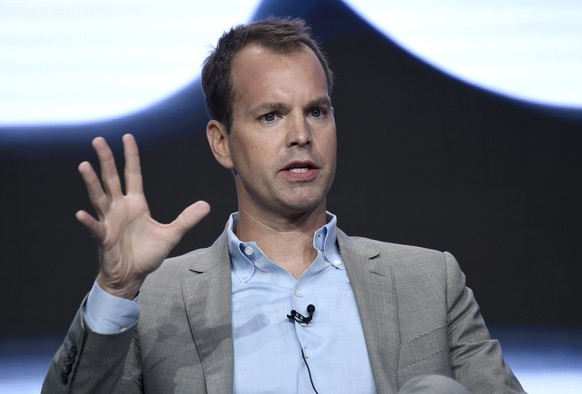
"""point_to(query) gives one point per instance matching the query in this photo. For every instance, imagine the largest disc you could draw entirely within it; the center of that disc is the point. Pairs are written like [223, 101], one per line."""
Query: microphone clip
[299, 318]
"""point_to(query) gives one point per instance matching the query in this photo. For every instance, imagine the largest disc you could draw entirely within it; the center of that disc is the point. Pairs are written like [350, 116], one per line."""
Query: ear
[218, 139]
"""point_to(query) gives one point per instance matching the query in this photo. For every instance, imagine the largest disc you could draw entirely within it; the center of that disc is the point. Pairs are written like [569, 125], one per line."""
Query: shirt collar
[245, 253]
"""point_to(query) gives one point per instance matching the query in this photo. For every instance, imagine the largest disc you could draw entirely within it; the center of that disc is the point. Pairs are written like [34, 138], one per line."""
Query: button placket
[303, 331]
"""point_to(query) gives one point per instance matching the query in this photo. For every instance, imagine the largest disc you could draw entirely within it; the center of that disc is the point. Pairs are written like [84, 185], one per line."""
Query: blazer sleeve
[476, 359]
[88, 362]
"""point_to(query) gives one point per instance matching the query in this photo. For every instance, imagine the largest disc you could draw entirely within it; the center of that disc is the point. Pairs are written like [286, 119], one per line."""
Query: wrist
[127, 290]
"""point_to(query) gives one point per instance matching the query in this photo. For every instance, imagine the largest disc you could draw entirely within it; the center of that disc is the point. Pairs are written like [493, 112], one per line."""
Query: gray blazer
[418, 318]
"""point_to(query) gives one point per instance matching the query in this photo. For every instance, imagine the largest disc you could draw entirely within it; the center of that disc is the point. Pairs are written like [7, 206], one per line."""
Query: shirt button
[244, 275]
[298, 293]
[248, 250]
[306, 352]
[337, 263]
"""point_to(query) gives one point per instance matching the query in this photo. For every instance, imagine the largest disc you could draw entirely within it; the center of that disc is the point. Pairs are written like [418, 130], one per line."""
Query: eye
[270, 117]
[317, 112]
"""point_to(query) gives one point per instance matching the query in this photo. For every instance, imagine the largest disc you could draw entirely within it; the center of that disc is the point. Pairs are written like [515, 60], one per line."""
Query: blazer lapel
[373, 285]
[207, 297]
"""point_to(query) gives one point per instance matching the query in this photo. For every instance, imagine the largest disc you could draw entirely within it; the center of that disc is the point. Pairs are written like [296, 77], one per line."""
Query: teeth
[299, 169]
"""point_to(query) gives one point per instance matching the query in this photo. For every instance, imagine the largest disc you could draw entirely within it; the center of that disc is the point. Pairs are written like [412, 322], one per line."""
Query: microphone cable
[308, 371]
[297, 317]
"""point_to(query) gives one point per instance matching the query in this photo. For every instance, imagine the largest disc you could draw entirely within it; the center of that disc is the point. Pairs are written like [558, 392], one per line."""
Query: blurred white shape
[69, 61]
[530, 50]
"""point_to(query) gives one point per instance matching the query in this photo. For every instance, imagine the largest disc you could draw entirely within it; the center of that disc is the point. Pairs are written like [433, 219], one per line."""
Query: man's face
[282, 142]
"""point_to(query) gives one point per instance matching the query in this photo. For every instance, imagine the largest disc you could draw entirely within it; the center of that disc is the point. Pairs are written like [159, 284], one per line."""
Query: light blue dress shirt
[267, 345]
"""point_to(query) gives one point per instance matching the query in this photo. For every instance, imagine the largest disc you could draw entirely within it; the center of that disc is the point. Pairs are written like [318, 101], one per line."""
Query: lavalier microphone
[299, 318]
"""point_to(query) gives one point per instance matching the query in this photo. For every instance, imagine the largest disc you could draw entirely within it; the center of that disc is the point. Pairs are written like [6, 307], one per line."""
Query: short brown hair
[280, 35]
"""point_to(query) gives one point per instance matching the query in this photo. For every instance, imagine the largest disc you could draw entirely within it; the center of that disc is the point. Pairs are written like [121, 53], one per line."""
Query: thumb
[190, 217]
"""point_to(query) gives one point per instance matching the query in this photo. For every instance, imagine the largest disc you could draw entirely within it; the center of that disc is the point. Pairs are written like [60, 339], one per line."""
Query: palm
[132, 243]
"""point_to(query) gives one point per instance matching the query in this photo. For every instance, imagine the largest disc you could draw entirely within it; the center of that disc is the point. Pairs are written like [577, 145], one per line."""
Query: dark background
[423, 159]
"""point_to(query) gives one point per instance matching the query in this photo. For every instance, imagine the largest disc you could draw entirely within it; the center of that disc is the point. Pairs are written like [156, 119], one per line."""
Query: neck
[287, 241]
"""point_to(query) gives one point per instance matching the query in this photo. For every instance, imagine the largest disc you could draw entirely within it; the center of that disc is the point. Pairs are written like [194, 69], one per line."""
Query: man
[283, 301]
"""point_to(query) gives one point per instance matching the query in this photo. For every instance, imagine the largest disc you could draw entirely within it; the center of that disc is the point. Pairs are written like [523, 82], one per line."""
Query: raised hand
[132, 243]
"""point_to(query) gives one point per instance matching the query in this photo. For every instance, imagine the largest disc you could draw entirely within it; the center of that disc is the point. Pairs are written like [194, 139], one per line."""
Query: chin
[305, 205]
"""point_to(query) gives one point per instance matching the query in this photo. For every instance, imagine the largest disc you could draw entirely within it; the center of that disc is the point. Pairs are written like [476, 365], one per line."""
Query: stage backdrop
[425, 158]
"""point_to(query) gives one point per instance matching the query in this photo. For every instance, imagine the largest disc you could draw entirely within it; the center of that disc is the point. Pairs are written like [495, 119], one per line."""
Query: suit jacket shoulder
[419, 317]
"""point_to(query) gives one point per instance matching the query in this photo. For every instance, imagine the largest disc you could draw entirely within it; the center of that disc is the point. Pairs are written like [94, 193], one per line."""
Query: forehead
[258, 71]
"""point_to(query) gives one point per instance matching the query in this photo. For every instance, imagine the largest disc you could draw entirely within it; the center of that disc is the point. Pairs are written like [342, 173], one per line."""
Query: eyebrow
[322, 101]
[265, 108]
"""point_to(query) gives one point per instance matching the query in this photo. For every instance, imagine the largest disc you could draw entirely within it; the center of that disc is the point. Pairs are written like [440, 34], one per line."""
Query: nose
[300, 133]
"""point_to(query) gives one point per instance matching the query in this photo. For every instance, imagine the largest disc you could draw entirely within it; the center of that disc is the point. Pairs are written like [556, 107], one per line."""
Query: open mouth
[300, 167]
[299, 170]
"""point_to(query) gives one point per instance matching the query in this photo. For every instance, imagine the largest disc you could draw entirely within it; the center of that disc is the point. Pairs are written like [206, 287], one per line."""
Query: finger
[133, 177]
[109, 174]
[95, 228]
[97, 196]
[189, 218]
